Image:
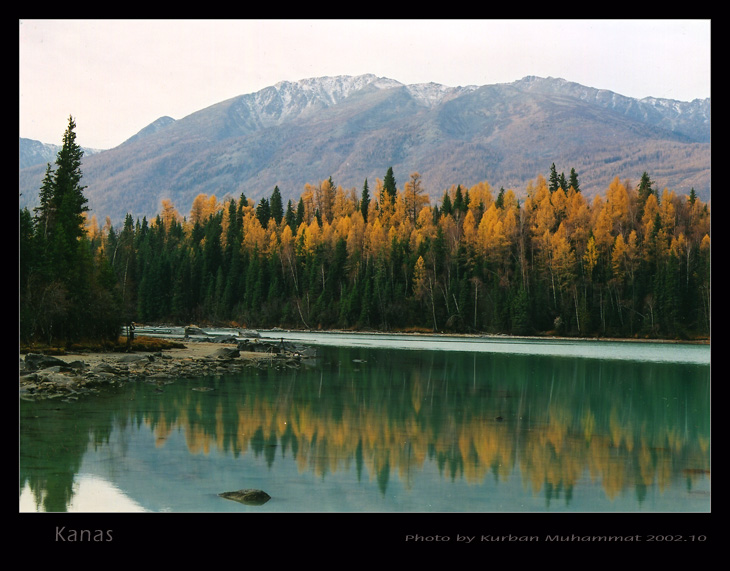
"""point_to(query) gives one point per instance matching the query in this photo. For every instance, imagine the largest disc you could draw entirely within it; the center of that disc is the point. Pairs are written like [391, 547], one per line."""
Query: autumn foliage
[632, 262]
[627, 263]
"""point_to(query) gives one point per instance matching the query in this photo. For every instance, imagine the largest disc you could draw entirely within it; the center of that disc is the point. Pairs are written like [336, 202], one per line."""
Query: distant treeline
[632, 262]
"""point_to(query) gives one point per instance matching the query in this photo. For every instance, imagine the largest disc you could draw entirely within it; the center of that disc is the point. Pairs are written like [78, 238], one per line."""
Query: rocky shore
[70, 377]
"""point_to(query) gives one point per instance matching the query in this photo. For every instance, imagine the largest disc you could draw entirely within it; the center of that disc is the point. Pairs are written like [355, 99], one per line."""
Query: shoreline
[76, 374]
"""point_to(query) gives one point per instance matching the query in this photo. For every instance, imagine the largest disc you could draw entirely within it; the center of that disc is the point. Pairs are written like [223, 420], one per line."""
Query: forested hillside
[632, 262]
[354, 128]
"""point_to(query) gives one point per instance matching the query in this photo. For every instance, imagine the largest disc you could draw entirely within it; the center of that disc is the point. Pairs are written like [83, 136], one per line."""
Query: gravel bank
[72, 376]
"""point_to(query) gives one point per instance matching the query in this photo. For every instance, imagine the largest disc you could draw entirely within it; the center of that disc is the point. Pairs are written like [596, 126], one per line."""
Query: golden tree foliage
[415, 197]
[477, 251]
[203, 207]
[419, 278]
[169, 214]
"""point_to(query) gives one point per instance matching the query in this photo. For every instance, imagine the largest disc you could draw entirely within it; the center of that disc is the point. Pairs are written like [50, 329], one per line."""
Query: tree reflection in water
[553, 423]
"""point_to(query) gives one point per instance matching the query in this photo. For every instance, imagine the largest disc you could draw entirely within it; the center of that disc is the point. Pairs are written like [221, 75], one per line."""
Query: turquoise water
[391, 424]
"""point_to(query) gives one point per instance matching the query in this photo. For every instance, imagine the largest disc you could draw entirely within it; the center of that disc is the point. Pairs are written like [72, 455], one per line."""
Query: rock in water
[250, 497]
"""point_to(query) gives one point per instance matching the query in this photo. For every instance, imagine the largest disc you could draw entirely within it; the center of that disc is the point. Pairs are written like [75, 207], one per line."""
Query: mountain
[32, 153]
[353, 128]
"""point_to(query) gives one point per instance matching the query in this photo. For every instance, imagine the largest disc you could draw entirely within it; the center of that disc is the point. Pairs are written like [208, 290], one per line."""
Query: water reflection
[424, 429]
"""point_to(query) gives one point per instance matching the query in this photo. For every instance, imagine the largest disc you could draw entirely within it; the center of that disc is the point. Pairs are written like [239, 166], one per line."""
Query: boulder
[36, 362]
[226, 353]
[249, 496]
[104, 368]
[193, 330]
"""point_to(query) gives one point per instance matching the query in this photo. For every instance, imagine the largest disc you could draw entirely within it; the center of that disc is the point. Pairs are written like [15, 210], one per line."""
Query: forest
[633, 262]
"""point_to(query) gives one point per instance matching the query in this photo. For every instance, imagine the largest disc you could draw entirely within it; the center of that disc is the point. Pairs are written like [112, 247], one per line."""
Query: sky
[115, 77]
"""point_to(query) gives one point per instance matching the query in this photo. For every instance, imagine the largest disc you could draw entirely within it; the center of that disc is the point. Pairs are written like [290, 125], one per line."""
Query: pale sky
[117, 76]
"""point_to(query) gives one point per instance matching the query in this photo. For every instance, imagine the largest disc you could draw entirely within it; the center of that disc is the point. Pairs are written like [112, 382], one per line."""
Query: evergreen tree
[60, 216]
[45, 213]
[554, 181]
[573, 182]
[692, 198]
[263, 212]
[446, 207]
[459, 204]
[365, 201]
[276, 205]
[301, 212]
[645, 187]
[499, 203]
[389, 185]
[68, 285]
[290, 217]
[562, 182]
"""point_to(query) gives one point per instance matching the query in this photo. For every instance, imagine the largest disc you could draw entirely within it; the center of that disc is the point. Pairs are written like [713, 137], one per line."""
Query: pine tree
[365, 201]
[389, 185]
[263, 212]
[499, 203]
[562, 182]
[554, 179]
[276, 205]
[290, 217]
[459, 204]
[645, 187]
[573, 182]
[446, 207]
[45, 213]
[63, 205]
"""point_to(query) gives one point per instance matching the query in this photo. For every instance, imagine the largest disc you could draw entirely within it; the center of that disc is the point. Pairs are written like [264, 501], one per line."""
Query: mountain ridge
[355, 127]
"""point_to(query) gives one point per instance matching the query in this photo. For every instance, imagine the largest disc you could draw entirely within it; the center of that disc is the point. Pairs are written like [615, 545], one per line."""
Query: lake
[391, 424]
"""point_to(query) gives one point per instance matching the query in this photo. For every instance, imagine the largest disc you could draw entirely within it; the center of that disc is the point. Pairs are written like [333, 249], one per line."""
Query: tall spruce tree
[60, 216]
[389, 185]
[573, 181]
[276, 205]
[554, 182]
[263, 212]
[365, 201]
[73, 292]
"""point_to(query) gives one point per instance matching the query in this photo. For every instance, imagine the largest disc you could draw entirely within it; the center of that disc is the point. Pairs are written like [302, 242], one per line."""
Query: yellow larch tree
[356, 236]
[342, 226]
[254, 236]
[480, 199]
[91, 227]
[451, 232]
[425, 229]
[617, 205]
[271, 239]
[559, 200]
[324, 198]
[618, 255]
[668, 212]
[375, 239]
[312, 236]
[578, 220]
[308, 199]
[169, 214]
[602, 226]
[198, 209]
[491, 240]
[469, 232]
[590, 256]
[415, 197]
[563, 258]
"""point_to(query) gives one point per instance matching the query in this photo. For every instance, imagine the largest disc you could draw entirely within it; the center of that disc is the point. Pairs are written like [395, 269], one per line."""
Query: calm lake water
[407, 424]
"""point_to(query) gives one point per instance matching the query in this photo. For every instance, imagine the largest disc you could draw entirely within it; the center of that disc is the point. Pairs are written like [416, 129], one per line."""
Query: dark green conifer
[365, 201]
[276, 205]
